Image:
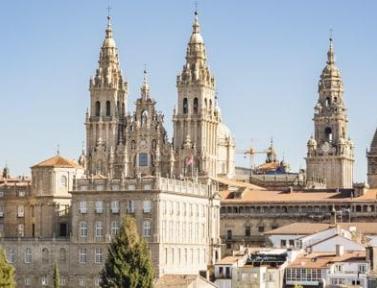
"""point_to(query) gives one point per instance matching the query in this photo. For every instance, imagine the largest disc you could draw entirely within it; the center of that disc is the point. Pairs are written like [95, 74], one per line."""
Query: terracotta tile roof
[229, 260]
[322, 260]
[266, 196]
[235, 183]
[303, 228]
[57, 162]
[179, 281]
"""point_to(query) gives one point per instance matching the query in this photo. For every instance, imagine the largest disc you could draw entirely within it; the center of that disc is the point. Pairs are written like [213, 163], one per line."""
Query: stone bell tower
[372, 162]
[105, 118]
[195, 118]
[330, 155]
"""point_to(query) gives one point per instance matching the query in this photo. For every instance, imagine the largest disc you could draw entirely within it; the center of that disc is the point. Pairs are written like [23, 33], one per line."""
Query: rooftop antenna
[196, 7]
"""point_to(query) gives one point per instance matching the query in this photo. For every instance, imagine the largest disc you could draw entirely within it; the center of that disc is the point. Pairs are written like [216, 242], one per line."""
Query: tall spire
[196, 67]
[108, 73]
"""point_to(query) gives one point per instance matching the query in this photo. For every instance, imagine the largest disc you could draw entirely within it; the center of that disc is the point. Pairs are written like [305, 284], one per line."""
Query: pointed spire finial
[145, 86]
[196, 25]
[109, 15]
[330, 53]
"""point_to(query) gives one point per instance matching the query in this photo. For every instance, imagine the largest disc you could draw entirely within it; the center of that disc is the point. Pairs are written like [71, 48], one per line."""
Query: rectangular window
[20, 211]
[147, 228]
[283, 243]
[114, 227]
[1, 211]
[143, 159]
[1, 193]
[362, 269]
[82, 256]
[147, 206]
[27, 282]
[28, 256]
[131, 206]
[99, 207]
[44, 281]
[21, 230]
[98, 254]
[115, 206]
[83, 229]
[261, 229]
[247, 231]
[1, 229]
[63, 281]
[83, 207]
[99, 229]
[291, 243]
[21, 193]
[12, 255]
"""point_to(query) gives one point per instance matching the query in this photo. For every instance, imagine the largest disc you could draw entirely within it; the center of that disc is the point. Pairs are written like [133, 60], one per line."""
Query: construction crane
[251, 152]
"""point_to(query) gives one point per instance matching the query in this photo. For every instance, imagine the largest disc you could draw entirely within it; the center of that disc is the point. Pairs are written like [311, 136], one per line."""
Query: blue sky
[266, 56]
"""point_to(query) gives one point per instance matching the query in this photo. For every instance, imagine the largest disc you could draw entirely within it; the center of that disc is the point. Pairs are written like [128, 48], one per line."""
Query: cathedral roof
[258, 196]
[57, 162]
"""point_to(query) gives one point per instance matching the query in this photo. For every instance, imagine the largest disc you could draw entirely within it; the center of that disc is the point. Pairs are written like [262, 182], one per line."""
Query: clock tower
[330, 154]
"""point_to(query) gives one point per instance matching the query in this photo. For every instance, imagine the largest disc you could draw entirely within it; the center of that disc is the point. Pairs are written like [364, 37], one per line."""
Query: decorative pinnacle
[330, 53]
[145, 86]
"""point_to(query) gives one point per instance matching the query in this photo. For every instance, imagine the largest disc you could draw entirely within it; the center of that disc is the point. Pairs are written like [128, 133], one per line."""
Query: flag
[190, 160]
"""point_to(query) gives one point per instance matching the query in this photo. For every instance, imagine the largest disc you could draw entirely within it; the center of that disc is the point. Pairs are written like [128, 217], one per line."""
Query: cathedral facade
[70, 211]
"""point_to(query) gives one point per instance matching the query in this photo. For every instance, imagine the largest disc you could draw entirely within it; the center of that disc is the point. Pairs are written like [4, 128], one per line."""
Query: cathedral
[69, 211]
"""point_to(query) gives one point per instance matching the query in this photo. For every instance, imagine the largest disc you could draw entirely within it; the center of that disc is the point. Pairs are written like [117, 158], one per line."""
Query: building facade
[69, 212]
[330, 155]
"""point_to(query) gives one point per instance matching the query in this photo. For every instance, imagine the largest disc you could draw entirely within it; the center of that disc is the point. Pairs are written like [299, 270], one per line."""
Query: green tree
[128, 263]
[56, 276]
[6, 272]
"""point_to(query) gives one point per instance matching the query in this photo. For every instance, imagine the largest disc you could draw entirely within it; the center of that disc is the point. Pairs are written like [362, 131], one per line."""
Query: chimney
[339, 250]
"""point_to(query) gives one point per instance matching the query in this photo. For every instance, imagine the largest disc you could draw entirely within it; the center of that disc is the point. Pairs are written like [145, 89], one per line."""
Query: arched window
[185, 106]
[144, 118]
[63, 181]
[154, 144]
[133, 144]
[328, 134]
[108, 108]
[328, 102]
[143, 159]
[210, 105]
[196, 105]
[205, 103]
[98, 108]
[45, 256]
